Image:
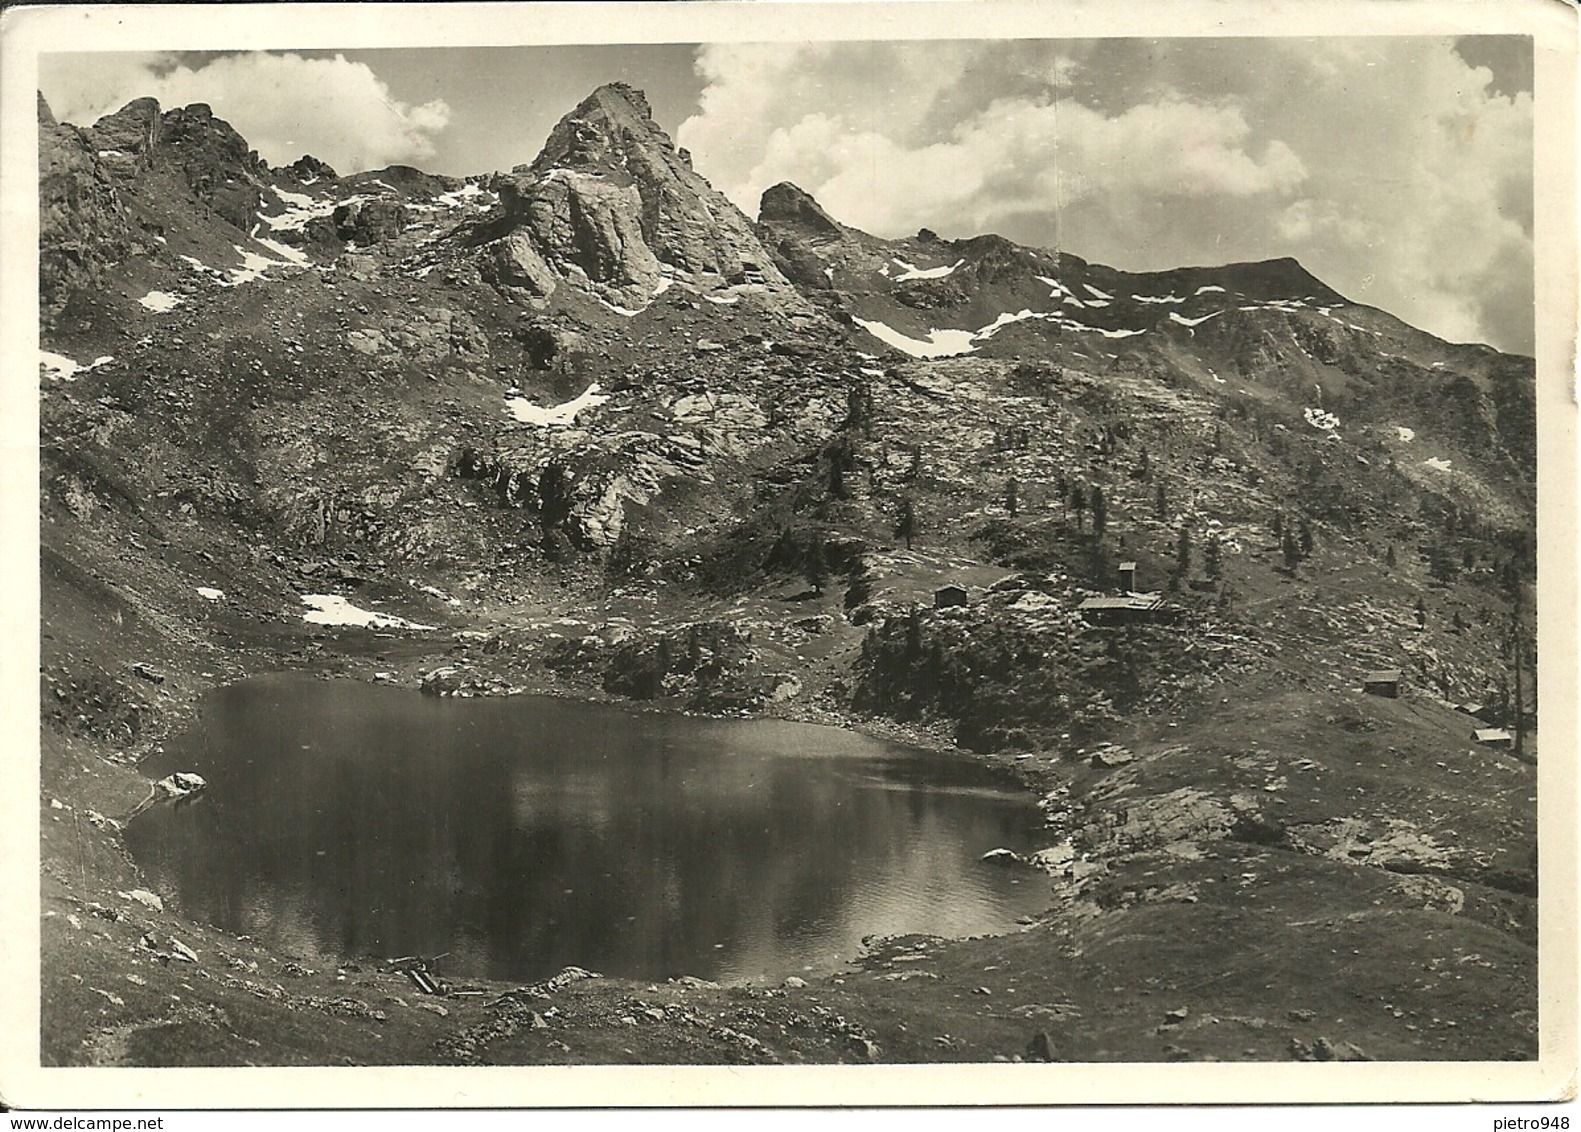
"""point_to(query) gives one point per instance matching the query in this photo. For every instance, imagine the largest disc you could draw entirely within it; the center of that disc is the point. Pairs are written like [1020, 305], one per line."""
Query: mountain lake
[523, 834]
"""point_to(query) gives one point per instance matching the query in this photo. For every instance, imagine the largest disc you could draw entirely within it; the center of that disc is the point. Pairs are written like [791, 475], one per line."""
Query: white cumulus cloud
[284, 105]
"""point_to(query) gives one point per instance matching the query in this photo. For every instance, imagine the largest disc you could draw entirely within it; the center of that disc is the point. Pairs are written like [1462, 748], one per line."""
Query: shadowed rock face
[126, 140]
[611, 198]
[82, 226]
[221, 169]
[368, 222]
[218, 165]
[308, 168]
[785, 203]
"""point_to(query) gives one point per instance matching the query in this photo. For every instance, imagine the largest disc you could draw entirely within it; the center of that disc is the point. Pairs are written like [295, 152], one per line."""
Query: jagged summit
[130, 134]
[786, 203]
[601, 130]
[611, 201]
[308, 167]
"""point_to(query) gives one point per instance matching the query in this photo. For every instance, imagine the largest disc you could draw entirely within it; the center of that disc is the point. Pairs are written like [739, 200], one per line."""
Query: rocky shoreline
[1183, 827]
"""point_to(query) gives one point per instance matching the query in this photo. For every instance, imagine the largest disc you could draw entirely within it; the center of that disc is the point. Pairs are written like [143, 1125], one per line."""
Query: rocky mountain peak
[612, 202]
[309, 168]
[785, 203]
[602, 131]
[618, 98]
[127, 138]
[196, 129]
[221, 169]
[1280, 278]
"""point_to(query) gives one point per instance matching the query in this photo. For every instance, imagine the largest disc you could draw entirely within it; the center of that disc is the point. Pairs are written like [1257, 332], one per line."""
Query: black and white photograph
[860, 537]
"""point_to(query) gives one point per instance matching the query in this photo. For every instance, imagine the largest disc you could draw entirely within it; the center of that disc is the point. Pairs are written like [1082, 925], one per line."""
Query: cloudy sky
[1398, 170]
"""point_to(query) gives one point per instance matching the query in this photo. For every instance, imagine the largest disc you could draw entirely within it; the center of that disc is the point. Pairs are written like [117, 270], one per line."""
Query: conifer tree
[1290, 549]
[816, 566]
[906, 525]
[913, 633]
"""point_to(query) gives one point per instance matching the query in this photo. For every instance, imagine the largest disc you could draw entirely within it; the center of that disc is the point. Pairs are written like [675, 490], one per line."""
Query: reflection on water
[525, 834]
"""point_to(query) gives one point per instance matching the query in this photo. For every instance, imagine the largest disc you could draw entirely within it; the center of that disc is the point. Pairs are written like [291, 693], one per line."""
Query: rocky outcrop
[363, 222]
[785, 203]
[799, 234]
[126, 140]
[611, 201]
[707, 663]
[577, 221]
[83, 228]
[515, 262]
[308, 168]
[222, 172]
[215, 161]
[425, 338]
[87, 176]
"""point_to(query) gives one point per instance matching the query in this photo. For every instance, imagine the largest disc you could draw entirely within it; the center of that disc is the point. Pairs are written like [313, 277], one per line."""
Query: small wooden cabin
[1129, 609]
[948, 597]
[1383, 682]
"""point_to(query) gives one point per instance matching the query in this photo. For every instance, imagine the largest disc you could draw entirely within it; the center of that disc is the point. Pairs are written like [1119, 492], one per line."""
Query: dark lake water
[525, 834]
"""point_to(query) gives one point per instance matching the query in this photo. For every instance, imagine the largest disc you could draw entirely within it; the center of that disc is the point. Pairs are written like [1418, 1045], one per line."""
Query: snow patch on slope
[332, 609]
[460, 196]
[285, 251]
[1007, 319]
[160, 301]
[938, 344]
[253, 268]
[527, 412]
[912, 271]
[301, 208]
[61, 367]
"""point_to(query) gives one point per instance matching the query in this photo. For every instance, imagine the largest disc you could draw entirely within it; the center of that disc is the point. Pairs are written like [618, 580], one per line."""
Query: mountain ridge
[616, 115]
